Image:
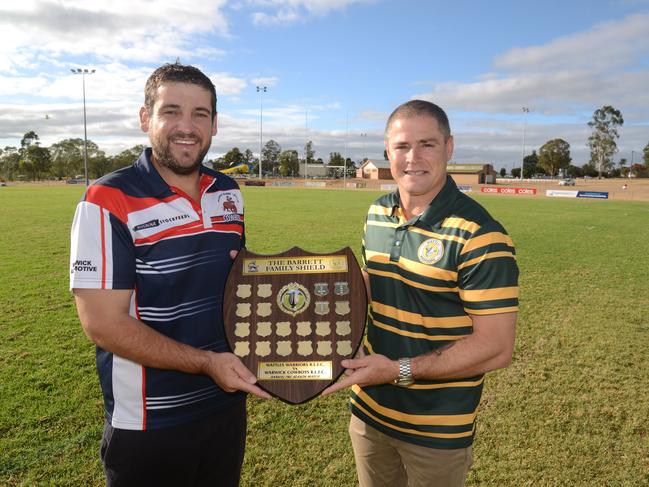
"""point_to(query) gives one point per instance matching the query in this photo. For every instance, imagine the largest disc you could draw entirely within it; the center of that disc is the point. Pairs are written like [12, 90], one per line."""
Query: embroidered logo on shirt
[430, 251]
[229, 201]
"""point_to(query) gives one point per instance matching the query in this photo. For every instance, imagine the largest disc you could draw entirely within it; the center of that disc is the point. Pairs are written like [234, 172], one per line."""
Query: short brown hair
[177, 73]
[414, 108]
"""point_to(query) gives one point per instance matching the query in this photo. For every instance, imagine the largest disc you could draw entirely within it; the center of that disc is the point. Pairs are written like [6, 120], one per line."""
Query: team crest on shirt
[430, 251]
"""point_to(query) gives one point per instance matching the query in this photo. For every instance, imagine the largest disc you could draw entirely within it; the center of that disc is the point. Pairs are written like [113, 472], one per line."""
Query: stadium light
[364, 139]
[83, 73]
[261, 90]
[525, 112]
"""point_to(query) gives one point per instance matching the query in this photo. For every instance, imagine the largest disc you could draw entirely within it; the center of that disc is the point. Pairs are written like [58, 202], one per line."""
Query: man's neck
[188, 184]
[413, 206]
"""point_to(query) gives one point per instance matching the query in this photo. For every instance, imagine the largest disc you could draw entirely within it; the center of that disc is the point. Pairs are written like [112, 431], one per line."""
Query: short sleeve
[487, 272]
[102, 253]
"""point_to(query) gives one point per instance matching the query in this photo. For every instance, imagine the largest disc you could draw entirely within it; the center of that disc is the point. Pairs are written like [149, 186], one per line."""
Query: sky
[334, 70]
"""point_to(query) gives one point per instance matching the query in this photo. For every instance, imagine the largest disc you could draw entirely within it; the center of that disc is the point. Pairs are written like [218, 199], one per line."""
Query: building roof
[384, 164]
[465, 168]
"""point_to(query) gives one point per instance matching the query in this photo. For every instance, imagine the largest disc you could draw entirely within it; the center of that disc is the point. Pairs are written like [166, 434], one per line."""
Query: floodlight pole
[526, 110]
[83, 73]
[261, 90]
[364, 138]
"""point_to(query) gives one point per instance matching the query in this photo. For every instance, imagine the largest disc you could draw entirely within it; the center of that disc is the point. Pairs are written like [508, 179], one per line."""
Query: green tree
[554, 155]
[289, 163]
[645, 153]
[530, 164]
[335, 159]
[36, 161]
[310, 153]
[270, 156]
[233, 157]
[338, 161]
[602, 141]
[99, 164]
[67, 158]
[29, 138]
[9, 163]
[126, 157]
[503, 171]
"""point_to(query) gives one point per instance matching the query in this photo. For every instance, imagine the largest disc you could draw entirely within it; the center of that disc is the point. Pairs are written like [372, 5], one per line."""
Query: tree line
[65, 160]
[286, 163]
[554, 157]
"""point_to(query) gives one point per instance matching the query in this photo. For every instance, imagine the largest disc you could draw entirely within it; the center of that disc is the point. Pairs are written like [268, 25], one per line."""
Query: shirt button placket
[395, 251]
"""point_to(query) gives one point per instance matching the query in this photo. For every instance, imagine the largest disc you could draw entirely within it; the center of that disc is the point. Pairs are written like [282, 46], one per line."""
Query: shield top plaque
[293, 317]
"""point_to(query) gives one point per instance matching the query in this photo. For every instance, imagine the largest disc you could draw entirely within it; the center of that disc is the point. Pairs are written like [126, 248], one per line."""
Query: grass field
[572, 409]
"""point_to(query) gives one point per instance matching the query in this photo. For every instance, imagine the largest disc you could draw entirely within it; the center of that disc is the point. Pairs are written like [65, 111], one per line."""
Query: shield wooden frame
[294, 362]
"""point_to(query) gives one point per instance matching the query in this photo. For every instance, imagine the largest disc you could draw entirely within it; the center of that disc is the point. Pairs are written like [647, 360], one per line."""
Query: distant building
[472, 173]
[461, 173]
[313, 170]
[374, 170]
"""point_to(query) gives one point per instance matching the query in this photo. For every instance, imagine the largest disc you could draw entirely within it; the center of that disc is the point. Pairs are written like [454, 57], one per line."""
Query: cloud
[107, 30]
[602, 48]
[568, 76]
[268, 81]
[283, 12]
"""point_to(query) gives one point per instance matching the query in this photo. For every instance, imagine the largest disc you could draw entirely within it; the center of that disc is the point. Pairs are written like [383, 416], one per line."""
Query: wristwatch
[405, 377]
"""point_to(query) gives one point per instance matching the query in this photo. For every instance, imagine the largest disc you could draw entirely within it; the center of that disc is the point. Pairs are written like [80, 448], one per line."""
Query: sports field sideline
[572, 408]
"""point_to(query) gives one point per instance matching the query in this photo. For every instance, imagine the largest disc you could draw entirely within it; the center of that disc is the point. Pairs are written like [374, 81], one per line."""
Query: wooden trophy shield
[293, 317]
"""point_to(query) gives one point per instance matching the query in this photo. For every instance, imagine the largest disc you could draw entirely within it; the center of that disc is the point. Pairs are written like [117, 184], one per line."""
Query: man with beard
[152, 245]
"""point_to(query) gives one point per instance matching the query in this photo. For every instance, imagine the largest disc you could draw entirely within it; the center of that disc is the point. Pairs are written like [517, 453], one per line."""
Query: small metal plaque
[294, 371]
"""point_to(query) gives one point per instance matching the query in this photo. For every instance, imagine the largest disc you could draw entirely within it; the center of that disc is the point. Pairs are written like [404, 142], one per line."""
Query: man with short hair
[152, 245]
[443, 284]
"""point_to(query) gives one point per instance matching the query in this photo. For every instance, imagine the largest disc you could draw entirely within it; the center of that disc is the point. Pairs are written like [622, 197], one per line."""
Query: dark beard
[164, 157]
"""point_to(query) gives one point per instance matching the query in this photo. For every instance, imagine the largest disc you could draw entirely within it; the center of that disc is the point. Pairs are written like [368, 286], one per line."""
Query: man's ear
[214, 123]
[387, 148]
[144, 120]
[450, 145]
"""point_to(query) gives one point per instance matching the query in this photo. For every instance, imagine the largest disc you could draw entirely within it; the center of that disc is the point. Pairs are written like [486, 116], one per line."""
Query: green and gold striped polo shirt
[427, 276]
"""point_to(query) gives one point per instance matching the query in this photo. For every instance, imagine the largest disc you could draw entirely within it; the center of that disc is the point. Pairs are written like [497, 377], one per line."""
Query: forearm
[459, 359]
[488, 348]
[131, 339]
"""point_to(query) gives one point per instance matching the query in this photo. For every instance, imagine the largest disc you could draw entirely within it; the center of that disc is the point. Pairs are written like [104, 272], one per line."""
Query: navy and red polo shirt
[133, 231]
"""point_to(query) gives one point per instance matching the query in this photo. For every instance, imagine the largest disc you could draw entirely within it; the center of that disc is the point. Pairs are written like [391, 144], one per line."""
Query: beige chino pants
[383, 461]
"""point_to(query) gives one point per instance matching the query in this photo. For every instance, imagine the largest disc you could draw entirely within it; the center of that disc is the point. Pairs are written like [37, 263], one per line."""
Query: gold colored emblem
[263, 328]
[243, 310]
[264, 290]
[430, 251]
[263, 309]
[284, 348]
[342, 307]
[263, 349]
[304, 348]
[344, 348]
[322, 328]
[343, 328]
[303, 328]
[283, 328]
[242, 330]
[241, 349]
[293, 298]
[243, 291]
